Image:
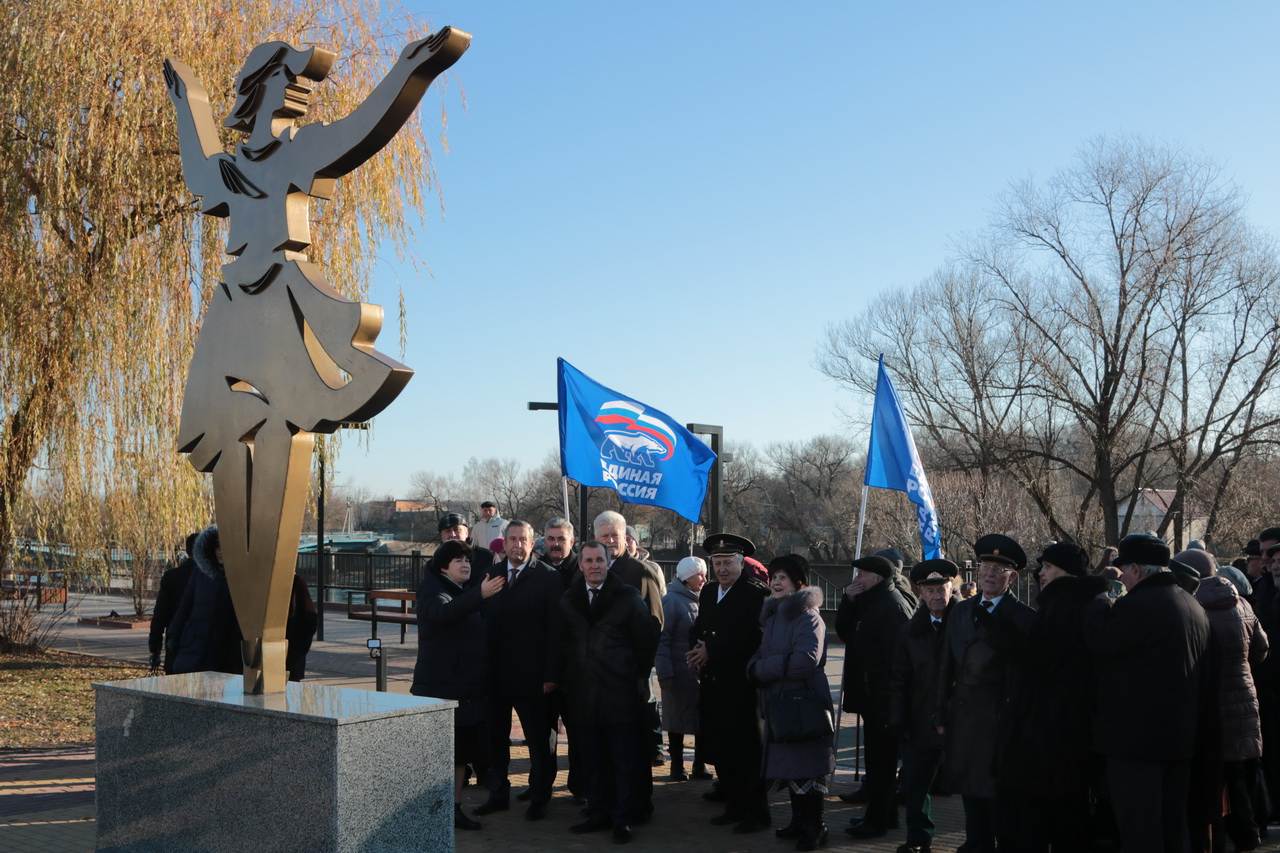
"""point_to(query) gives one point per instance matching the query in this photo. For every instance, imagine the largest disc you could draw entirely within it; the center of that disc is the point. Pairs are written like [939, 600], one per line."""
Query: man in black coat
[611, 530]
[172, 584]
[1264, 602]
[610, 640]
[913, 689]
[725, 635]
[524, 666]
[1046, 763]
[1150, 647]
[558, 533]
[853, 700]
[453, 526]
[976, 680]
[881, 613]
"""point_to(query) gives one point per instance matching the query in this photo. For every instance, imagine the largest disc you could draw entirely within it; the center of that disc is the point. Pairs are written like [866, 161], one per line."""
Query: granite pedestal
[189, 762]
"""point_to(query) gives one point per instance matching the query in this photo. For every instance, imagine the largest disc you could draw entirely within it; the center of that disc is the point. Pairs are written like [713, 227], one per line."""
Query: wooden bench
[373, 614]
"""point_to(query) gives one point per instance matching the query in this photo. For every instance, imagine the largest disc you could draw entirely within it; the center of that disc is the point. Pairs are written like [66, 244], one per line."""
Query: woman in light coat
[792, 655]
[679, 684]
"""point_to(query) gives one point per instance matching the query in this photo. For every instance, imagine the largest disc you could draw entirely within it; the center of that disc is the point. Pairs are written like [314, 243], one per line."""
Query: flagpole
[862, 518]
[564, 492]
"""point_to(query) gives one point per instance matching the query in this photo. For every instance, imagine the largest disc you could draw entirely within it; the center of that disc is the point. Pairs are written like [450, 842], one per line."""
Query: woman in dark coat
[204, 635]
[1240, 645]
[451, 655]
[792, 654]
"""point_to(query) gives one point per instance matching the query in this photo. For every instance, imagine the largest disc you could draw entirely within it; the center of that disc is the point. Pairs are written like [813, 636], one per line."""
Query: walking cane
[835, 742]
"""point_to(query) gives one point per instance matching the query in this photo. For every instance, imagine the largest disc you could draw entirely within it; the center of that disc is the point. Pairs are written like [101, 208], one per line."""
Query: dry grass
[46, 698]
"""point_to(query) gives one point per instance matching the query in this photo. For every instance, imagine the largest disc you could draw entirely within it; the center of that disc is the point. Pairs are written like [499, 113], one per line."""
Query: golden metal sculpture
[281, 354]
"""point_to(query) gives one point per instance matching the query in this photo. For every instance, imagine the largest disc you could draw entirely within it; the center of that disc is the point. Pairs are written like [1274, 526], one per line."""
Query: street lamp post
[583, 492]
[322, 549]
[715, 511]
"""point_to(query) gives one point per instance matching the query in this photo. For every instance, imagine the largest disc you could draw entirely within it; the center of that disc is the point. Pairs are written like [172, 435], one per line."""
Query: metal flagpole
[857, 554]
[862, 518]
[564, 491]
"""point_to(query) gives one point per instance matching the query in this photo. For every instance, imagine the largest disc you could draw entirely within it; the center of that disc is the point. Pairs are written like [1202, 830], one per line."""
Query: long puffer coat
[679, 683]
[1240, 644]
[792, 653]
[204, 634]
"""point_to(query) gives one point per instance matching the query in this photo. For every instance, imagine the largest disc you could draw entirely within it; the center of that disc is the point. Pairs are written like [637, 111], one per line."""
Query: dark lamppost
[322, 549]
[715, 489]
[583, 492]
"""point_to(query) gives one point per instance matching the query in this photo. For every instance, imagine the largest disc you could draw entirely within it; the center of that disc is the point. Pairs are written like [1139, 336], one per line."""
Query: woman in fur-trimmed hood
[792, 654]
[204, 631]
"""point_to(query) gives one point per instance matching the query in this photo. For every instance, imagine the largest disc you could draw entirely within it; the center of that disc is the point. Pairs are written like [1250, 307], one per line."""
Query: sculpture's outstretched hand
[334, 150]
[177, 88]
[197, 134]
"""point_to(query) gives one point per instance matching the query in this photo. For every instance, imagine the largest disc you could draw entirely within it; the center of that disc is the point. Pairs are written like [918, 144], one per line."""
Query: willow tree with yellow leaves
[101, 292]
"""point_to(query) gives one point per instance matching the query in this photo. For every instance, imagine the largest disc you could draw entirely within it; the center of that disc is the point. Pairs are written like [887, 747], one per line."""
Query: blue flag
[893, 463]
[608, 439]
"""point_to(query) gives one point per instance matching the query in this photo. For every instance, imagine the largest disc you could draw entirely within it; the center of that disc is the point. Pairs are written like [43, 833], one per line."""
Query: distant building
[1150, 509]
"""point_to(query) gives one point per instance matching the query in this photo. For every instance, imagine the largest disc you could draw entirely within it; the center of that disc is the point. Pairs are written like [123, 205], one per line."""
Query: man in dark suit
[611, 530]
[524, 662]
[172, 584]
[610, 642]
[559, 536]
[725, 635]
[913, 687]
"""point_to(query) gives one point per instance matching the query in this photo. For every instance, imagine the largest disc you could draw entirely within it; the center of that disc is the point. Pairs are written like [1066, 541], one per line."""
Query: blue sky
[678, 197]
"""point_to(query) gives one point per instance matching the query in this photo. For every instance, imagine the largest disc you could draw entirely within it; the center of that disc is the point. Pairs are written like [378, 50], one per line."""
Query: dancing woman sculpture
[281, 354]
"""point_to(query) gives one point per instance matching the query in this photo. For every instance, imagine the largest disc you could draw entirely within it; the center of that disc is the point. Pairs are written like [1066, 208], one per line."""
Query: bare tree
[1115, 330]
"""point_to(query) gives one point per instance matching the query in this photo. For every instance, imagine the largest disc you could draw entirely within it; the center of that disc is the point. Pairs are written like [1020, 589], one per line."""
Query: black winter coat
[1150, 647]
[608, 652]
[204, 635]
[172, 584]
[523, 623]
[1266, 606]
[851, 678]
[878, 619]
[913, 681]
[1050, 727]
[977, 678]
[451, 646]
[300, 630]
[568, 570]
[727, 696]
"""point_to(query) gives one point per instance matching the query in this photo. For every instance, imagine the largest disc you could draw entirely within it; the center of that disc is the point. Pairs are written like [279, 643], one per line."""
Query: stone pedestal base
[188, 762]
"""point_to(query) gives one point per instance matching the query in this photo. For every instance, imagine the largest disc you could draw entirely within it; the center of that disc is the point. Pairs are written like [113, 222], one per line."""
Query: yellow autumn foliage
[106, 264]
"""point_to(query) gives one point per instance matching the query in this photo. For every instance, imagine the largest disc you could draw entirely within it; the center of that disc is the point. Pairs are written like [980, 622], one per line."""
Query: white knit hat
[690, 566]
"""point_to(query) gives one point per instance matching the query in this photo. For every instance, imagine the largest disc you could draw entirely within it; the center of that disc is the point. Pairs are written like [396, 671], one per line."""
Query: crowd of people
[1130, 708]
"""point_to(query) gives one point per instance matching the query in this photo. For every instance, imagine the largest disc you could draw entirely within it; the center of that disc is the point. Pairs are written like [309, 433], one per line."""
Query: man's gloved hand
[155, 661]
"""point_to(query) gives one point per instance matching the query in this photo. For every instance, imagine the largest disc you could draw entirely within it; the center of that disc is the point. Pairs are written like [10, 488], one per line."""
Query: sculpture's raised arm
[333, 150]
[197, 135]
